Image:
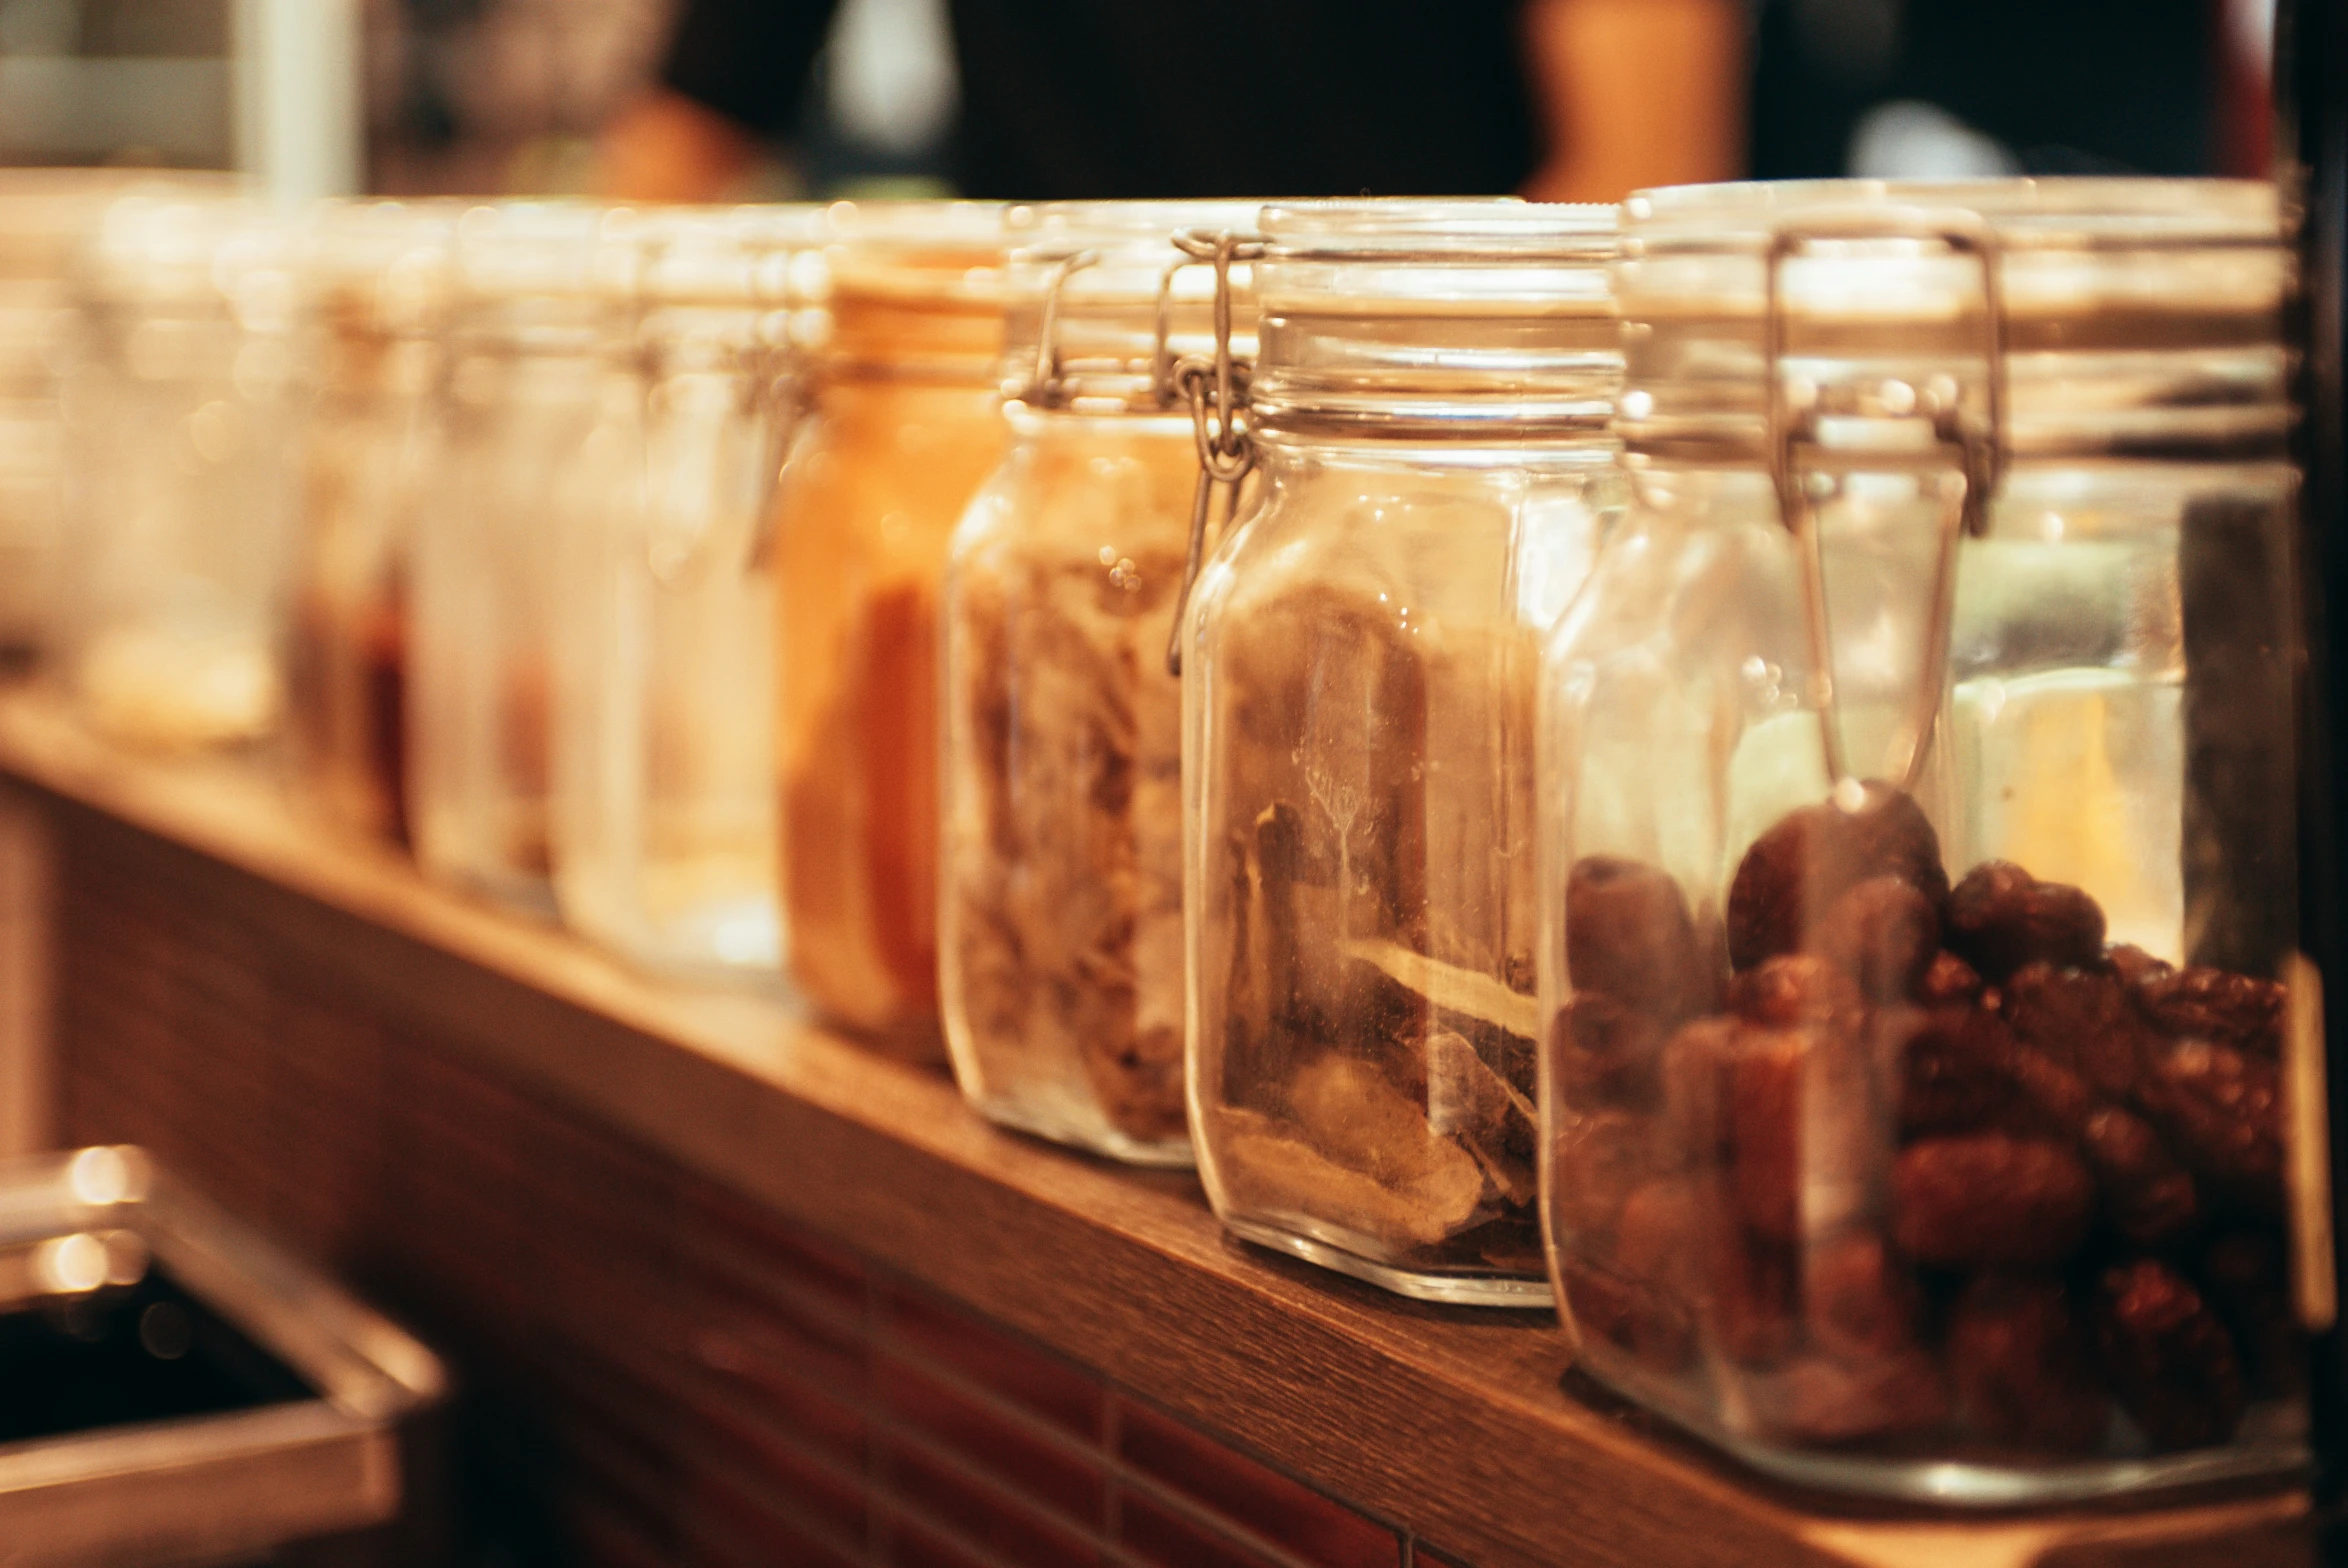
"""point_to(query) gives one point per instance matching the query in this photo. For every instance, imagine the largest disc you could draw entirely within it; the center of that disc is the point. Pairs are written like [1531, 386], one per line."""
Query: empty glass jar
[905, 428]
[377, 299]
[664, 768]
[177, 414]
[1918, 852]
[1430, 405]
[1060, 922]
[521, 390]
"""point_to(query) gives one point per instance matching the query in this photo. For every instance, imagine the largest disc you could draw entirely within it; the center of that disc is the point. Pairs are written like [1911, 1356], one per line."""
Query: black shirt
[1092, 99]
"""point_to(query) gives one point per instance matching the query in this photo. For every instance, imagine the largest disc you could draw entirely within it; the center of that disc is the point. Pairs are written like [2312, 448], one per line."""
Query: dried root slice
[1265, 1167]
[1470, 993]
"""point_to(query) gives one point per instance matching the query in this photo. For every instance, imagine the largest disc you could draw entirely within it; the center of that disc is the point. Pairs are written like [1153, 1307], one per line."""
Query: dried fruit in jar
[1990, 1200]
[1796, 990]
[1607, 1053]
[2148, 1197]
[1948, 980]
[1884, 934]
[2217, 1005]
[2024, 1366]
[2000, 917]
[1628, 935]
[2169, 1358]
[1795, 871]
[1860, 1302]
[1601, 1160]
[1951, 1069]
[2221, 1111]
[2080, 1017]
[1807, 1149]
[1818, 1399]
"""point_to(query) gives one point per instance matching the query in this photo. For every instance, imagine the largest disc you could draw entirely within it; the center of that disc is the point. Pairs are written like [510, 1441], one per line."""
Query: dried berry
[1698, 1067]
[1602, 1158]
[2080, 1017]
[2149, 1198]
[2219, 1006]
[1821, 1400]
[2245, 1279]
[2135, 966]
[1884, 934]
[1989, 1200]
[1805, 1138]
[2023, 1367]
[2058, 1099]
[1651, 1324]
[1861, 1303]
[1749, 1302]
[2168, 1357]
[1795, 991]
[1607, 1053]
[2221, 1111]
[2000, 917]
[1628, 935]
[1660, 1233]
[1948, 1070]
[1809, 857]
[1948, 980]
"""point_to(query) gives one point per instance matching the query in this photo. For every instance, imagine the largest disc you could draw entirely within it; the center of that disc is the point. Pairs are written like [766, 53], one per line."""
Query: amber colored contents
[867, 512]
[348, 710]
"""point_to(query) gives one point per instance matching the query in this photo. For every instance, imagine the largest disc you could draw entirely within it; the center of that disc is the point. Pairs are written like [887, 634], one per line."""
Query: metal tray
[307, 1440]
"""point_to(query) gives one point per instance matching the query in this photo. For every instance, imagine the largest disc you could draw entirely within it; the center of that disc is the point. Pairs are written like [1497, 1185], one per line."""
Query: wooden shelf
[1452, 1419]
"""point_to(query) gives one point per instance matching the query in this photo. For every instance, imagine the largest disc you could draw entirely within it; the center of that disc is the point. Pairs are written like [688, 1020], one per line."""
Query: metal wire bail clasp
[1798, 411]
[1216, 392]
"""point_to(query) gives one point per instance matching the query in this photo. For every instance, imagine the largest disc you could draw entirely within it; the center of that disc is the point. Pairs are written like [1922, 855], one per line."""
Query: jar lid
[1398, 316]
[726, 255]
[917, 289]
[2080, 317]
[1120, 302]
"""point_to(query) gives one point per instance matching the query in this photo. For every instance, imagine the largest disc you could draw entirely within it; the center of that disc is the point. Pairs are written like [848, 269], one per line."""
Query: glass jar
[521, 389]
[377, 298]
[1430, 405]
[664, 796]
[904, 430]
[47, 217]
[177, 415]
[1060, 920]
[1917, 838]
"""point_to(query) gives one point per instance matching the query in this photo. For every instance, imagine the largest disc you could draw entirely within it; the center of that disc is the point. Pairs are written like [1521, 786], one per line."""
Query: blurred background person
[1071, 99]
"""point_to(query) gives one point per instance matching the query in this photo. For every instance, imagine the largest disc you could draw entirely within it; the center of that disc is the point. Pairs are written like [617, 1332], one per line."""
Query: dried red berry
[2221, 1111]
[1948, 1070]
[1860, 1302]
[1807, 1146]
[2135, 966]
[2000, 917]
[1948, 981]
[2149, 1198]
[1988, 1200]
[2244, 1277]
[1601, 1159]
[1607, 1053]
[2169, 1359]
[1808, 858]
[2023, 1367]
[2080, 1017]
[1698, 1067]
[1750, 1302]
[2219, 1006]
[1628, 934]
[1882, 933]
[1794, 991]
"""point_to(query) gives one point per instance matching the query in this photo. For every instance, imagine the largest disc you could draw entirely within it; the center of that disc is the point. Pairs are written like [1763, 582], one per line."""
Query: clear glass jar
[522, 388]
[906, 427]
[1917, 840]
[178, 415]
[664, 769]
[378, 298]
[47, 217]
[1430, 404]
[1060, 917]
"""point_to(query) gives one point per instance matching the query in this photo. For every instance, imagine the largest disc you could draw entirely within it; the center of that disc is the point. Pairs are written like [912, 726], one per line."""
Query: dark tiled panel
[1253, 1496]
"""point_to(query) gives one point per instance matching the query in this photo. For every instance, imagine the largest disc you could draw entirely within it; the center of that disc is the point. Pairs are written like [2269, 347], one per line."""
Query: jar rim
[2066, 212]
[1459, 228]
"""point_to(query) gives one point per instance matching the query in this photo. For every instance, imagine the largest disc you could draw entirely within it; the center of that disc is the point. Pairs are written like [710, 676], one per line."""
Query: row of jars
[1728, 765]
